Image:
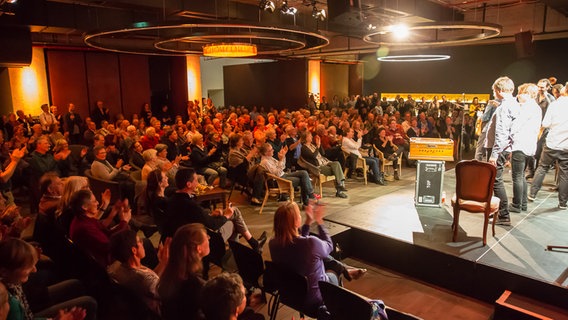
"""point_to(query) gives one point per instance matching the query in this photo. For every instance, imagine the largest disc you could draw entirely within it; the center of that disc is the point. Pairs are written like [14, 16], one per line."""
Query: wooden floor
[396, 290]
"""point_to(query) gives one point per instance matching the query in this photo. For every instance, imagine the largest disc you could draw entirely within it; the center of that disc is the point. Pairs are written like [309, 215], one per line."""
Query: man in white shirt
[555, 149]
[276, 167]
[525, 130]
[46, 118]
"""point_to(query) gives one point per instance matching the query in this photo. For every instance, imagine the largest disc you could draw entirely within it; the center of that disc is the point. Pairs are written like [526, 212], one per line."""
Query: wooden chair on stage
[474, 193]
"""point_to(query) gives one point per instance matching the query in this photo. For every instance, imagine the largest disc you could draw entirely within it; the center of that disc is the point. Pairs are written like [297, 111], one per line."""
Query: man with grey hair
[500, 135]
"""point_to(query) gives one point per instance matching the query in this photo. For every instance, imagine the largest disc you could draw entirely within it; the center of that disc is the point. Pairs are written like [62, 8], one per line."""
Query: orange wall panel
[134, 83]
[68, 80]
[103, 81]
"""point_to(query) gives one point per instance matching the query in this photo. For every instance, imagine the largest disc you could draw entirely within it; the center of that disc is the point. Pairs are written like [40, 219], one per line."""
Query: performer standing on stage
[500, 131]
[526, 128]
[555, 148]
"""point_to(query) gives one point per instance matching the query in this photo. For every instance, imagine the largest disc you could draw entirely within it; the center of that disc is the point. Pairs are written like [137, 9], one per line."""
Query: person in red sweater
[88, 232]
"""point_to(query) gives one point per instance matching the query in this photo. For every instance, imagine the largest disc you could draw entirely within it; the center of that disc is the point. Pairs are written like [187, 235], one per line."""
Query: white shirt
[526, 127]
[275, 167]
[351, 146]
[556, 119]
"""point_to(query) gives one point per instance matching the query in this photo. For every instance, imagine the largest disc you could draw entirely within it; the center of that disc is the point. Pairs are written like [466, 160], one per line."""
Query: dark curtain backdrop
[276, 84]
[470, 69]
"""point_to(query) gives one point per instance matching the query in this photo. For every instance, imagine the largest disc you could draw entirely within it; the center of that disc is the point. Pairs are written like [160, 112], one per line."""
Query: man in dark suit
[72, 124]
[100, 114]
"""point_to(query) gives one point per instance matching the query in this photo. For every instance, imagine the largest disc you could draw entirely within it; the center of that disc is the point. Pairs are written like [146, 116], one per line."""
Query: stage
[390, 231]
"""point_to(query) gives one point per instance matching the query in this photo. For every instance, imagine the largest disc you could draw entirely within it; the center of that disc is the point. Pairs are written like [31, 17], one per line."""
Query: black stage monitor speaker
[16, 46]
[524, 44]
[429, 181]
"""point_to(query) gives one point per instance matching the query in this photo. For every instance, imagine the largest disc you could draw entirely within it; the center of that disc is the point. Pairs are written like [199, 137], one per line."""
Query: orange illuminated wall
[29, 85]
[193, 78]
[314, 83]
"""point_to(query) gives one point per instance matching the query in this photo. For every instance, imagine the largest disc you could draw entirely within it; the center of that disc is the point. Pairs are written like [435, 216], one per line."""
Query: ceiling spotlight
[267, 5]
[400, 31]
[285, 9]
[371, 27]
[319, 14]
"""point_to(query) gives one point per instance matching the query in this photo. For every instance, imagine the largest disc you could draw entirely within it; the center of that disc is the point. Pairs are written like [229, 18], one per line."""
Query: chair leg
[231, 192]
[275, 304]
[455, 225]
[264, 201]
[365, 172]
[485, 223]
[493, 224]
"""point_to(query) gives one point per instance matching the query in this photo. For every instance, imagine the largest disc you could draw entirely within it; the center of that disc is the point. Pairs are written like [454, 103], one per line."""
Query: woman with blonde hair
[181, 282]
[305, 254]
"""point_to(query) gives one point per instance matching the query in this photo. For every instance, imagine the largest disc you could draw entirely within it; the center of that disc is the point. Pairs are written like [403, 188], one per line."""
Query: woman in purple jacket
[305, 254]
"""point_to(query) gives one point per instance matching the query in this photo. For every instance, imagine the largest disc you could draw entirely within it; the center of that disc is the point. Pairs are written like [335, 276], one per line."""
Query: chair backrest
[216, 247]
[344, 304]
[475, 180]
[291, 287]
[249, 262]
[98, 186]
[76, 150]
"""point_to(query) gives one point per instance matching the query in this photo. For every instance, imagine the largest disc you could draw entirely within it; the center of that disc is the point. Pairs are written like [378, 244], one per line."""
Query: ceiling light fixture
[435, 33]
[399, 31]
[229, 50]
[285, 9]
[415, 58]
[319, 14]
[267, 5]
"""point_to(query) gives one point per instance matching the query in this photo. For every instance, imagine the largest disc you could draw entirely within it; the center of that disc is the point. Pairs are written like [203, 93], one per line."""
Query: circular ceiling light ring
[489, 30]
[415, 58]
[145, 35]
[167, 44]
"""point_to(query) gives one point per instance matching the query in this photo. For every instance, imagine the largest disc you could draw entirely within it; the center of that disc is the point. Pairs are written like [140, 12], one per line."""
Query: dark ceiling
[65, 22]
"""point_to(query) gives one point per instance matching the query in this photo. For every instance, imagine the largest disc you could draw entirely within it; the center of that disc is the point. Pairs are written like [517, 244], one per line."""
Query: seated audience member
[7, 173]
[181, 282]
[151, 162]
[17, 261]
[351, 146]
[224, 298]
[169, 167]
[102, 169]
[390, 151]
[413, 131]
[67, 164]
[150, 139]
[311, 154]
[207, 161]
[88, 232]
[152, 201]
[64, 213]
[230, 222]
[13, 221]
[136, 157]
[292, 143]
[51, 188]
[242, 163]
[305, 254]
[276, 167]
[128, 271]
[41, 162]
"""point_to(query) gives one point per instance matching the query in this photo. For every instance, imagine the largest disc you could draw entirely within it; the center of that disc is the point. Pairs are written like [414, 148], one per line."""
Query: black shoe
[341, 188]
[513, 208]
[503, 221]
[340, 194]
[396, 176]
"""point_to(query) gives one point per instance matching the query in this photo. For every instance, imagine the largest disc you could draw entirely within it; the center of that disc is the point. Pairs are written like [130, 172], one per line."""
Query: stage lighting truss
[190, 38]
[415, 58]
[267, 5]
[435, 34]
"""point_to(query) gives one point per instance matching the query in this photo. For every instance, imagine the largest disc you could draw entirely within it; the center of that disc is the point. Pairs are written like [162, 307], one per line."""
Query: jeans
[212, 174]
[518, 161]
[499, 187]
[547, 158]
[373, 164]
[302, 179]
[333, 169]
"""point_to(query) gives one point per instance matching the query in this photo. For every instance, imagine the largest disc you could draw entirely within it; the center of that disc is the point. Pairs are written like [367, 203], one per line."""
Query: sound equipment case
[429, 183]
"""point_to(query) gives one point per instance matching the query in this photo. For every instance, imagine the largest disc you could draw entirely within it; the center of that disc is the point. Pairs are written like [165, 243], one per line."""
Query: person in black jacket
[311, 153]
[72, 123]
[208, 161]
[182, 208]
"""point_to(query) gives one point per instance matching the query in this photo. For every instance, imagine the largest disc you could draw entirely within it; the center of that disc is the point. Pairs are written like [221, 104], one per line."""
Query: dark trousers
[518, 161]
[548, 157]
[499, 188]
